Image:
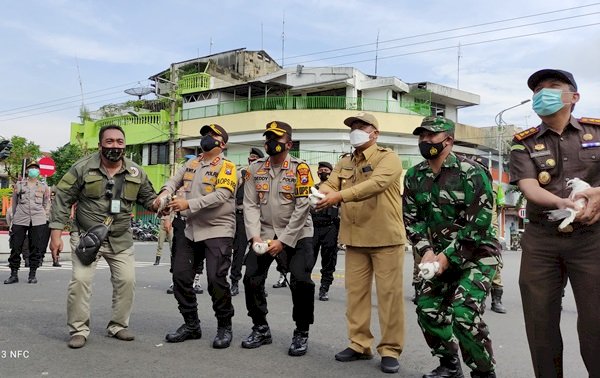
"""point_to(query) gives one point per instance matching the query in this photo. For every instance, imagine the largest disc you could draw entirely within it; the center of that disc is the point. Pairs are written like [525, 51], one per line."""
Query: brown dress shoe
[124, 335]
[76, 341]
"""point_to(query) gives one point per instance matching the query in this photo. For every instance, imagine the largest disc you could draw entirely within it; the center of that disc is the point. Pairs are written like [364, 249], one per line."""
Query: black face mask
[273, 147]
[207, 143]
[113, 154]
[323, 176]
[431, 151]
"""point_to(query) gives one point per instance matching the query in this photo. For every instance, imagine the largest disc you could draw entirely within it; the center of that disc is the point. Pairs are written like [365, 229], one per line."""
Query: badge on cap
[550, 163]
[588, 137]
[544, 177]
[539, 147]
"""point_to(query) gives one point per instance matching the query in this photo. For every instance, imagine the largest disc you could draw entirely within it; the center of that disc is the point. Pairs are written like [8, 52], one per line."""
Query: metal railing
[124, 120]
[193, 83]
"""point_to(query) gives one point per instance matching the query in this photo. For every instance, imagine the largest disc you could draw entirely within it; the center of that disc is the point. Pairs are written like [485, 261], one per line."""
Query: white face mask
[359, 137]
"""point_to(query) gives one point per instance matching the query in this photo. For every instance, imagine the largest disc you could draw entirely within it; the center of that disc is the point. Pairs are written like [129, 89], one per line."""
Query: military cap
[362, 117]
[549, 73]
[278, 128]
[326, 165]
[33, 163]
[215, 129]
[434, 124]
[257, 152]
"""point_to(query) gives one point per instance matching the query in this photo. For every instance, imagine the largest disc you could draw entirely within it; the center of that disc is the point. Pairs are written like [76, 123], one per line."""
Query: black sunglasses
[109, 186]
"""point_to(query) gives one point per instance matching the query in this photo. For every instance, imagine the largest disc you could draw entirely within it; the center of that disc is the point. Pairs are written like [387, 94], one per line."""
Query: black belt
[322, 224]
[239, 211]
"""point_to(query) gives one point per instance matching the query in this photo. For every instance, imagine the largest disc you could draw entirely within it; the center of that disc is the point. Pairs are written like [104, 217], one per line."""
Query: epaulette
[590, 121]
[526, 134]
[380, 148]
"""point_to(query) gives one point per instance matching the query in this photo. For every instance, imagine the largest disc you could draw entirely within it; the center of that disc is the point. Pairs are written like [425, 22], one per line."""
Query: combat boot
[189, 330]
[299, 344]
[235, 289]
[261, 335]
[14, 277]
[280, 282]
[449, 368]
[157, 261]
[32, 279]
[323, 294]
[223, 338]
[497, 305]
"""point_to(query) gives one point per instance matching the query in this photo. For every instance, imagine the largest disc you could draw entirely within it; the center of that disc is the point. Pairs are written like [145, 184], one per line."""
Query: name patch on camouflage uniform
[304, 180]
[526, 134]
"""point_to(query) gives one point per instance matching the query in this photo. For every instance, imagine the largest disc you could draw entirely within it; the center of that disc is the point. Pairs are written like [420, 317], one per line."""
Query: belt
[239, 211]
[322, 224]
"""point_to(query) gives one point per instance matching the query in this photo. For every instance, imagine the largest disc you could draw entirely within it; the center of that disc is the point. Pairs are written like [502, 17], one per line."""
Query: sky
[58, 54]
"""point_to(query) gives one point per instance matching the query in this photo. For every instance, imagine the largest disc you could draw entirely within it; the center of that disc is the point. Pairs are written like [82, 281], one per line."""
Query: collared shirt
[276, 200]
[31, 201]
[554, 159]
[86, 184]
[209, 188]
[371, 211]
[451, 211]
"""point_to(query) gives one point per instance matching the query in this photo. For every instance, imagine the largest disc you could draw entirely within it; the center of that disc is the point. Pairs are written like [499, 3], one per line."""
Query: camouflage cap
[434, 124]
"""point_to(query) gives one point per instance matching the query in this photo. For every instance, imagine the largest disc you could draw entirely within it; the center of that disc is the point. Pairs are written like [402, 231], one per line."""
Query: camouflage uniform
[451, 213]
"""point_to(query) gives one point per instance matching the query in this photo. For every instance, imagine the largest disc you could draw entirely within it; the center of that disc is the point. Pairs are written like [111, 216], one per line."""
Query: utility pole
[172, 110]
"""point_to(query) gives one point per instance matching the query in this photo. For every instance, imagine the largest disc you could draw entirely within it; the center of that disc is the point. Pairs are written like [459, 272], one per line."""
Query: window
[158, 154]
[438, 109]
[394, 95]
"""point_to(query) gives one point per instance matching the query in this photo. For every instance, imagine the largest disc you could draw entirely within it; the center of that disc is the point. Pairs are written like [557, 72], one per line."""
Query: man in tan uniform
[367, 184]
[276, 211]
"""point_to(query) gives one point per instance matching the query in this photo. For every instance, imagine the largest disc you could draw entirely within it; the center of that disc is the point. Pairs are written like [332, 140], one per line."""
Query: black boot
[497, 305]
[157, 260]
[323, 294]
[32, 279]
[280, 282]
[235, 289]
[299, 344]
[56, 263]
[449, 368]
[14, 277]
[223, 338]
[189, 330]
[261, 335]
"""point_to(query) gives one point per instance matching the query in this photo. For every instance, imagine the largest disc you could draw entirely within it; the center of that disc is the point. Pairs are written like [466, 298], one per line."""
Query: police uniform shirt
[31, 201]
[209, 188]
[86, 184]
[276, 200]
[371, 211]
[540, 153]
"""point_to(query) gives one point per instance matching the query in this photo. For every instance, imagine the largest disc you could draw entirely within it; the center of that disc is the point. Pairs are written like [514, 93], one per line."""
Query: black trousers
[240, 244]
[36, 237]
[218, 261]
[44, 242]
[325, 239]
[299, 261]
[179, 234]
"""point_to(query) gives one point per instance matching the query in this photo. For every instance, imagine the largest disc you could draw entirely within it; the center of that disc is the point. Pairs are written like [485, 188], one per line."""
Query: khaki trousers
[122, 276]
[386, 264]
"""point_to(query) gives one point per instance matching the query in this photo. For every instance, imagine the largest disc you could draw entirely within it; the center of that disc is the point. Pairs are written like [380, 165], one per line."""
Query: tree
[64, 157]
[22, 149]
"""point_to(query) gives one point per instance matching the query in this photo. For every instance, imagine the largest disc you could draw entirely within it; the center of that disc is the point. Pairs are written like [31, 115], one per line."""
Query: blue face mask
[33, 172]
[547, 101]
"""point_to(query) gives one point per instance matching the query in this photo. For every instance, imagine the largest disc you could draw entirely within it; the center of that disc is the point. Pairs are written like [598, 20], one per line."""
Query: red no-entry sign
[47, 166]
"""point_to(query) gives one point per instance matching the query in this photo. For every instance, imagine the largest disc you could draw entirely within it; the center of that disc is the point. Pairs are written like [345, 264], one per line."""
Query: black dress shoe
[223, 338]
[350, 354]
[323, 296]
[449, 368]
[299, 344]
[185, 332]
[260, 335]
[389, 364]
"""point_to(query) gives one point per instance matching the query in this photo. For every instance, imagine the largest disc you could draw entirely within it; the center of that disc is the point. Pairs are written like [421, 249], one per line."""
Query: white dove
[576, 185]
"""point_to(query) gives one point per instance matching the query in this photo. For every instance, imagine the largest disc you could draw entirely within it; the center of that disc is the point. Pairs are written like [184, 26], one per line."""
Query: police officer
[209, 183]
[104, 184]
[448, 202]
[240, 242]
[276, 211]
[326, 223]
[31, 201]
[542, 160]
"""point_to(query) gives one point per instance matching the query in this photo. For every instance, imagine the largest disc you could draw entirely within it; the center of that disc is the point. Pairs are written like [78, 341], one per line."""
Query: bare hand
[428, 256]
[444, 263]
[591, 212]
[56, 243]
[275, 247]
[331, 199]
[179, 204]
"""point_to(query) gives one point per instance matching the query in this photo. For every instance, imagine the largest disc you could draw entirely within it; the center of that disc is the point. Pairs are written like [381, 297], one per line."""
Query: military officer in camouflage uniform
[209, 182]
[102, 184]
[276, 211]
[448, 203]
[542, 160]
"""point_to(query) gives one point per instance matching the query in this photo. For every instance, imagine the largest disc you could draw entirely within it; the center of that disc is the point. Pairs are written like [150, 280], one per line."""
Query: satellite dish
[139, 91]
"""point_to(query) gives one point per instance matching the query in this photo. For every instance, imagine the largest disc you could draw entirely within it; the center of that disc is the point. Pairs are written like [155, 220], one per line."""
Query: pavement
[33, 332]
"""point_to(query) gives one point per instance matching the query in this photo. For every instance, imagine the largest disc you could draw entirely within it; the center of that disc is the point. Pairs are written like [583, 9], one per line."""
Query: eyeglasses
[109, 186]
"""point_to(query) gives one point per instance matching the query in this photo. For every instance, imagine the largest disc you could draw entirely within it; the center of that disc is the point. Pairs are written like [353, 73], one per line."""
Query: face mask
[323, 176]
[33, 172]
[547, 101]
[274, 147]
[358, 138]
[112, 154]
[431, 151]
[207, 143]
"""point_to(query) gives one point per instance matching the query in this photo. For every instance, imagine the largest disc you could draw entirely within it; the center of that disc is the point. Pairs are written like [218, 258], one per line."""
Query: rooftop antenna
[376, 51]
[210, 47]
[458, 67]
[80, 82]
[283, 41]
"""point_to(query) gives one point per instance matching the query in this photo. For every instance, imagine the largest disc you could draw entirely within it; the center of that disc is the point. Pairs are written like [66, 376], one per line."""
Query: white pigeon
[576, 185]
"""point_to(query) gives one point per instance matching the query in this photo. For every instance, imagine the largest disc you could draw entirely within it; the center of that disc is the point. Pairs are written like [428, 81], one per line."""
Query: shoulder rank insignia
[589, 121]
[526, 134]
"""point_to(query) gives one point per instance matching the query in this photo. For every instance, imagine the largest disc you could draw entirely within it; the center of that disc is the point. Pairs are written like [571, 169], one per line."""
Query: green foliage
[22, 149]
[6, 192]
[65, 157]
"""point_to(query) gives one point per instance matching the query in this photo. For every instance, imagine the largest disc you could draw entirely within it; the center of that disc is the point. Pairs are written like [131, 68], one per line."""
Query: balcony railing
[193, 83]
[306, 102]
[124, 120]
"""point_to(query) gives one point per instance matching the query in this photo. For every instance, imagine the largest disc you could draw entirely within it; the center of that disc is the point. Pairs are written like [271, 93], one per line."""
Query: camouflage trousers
[449, 312]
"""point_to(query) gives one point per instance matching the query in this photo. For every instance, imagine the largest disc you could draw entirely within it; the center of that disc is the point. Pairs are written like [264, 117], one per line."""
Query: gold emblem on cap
[273, 125]
[539, 147]
[550, 163]
[544, 177]
[588, 137]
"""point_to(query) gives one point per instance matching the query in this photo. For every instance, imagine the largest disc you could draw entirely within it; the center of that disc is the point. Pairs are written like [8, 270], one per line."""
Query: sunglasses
[109, 186]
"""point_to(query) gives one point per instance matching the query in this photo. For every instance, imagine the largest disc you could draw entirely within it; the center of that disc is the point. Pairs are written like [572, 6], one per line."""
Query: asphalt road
[33, 331]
